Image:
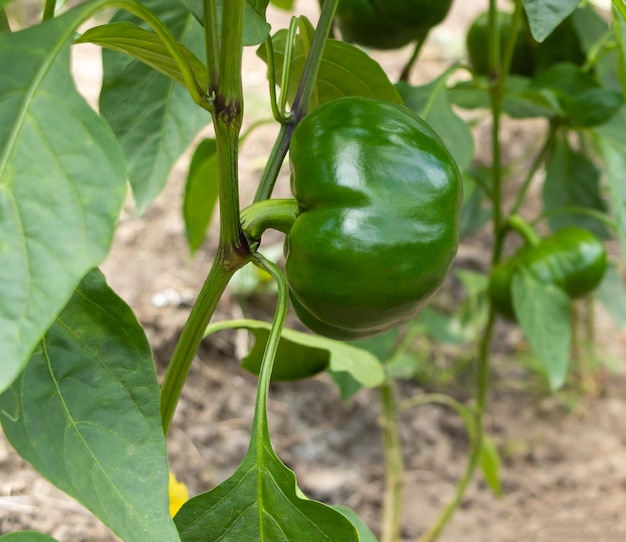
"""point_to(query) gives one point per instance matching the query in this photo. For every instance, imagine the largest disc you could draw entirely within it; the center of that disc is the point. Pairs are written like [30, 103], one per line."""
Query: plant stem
[269, 355]
[476, 443]
[394, 463]
[498, 80]
[406, 71]
[278, 214]
[524, 229]
[233, 251]
[545, 148]
[190, 338]
[49, 9]
[300, 102]
[212, 49]
[227, 122]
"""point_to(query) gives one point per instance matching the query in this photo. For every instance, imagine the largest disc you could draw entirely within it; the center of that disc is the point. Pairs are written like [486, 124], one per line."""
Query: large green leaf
[201, 192]
[432, 104]
[572, 180]
[154, 118]
[545, 15]
[85, 413]
[145, 46]
[27, 536]
[544, 313]
[345, 70]
[62, 185]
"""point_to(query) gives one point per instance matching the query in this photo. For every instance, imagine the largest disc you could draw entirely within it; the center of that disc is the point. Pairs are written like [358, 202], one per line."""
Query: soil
[564, 455]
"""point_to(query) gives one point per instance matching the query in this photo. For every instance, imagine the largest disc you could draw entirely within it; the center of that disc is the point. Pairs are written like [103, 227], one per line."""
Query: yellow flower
[178, 494]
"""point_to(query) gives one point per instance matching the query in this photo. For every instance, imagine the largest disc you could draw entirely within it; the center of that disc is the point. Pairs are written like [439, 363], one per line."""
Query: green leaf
[146, 47]
[614, 153]
[572, 180]
[345, 70]
[260, 501]
[301, 355]
[612, 294]
[432, 104]
[593, 107]
[201, 191]
[62, 183]
[27, 536]
[490, 464]
[255, 28]
[545, 15]
[154, 118]
[365, 534]
[544, 313]
[519, 102]
[85, 413]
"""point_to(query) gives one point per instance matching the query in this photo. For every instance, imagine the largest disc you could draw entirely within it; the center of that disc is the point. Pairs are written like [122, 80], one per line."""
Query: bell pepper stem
[524, 229]
[277, 214]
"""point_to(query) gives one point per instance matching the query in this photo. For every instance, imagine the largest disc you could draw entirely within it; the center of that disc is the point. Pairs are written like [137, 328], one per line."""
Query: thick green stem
[394, 464]
[211, 43]
[190, 338]
[227, 122]
[233, 251]
[49, 9]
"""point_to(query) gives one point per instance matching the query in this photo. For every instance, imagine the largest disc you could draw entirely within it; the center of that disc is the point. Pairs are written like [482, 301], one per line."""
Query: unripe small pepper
[379, 201]
[573, 259]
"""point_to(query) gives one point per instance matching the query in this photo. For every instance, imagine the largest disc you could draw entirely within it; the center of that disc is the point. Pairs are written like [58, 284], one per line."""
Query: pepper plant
[377, 175]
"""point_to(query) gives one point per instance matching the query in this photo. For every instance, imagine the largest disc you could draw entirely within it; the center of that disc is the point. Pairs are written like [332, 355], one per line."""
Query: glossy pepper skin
[573, 259]
[388, 24]
[477, 42]
[379, 200]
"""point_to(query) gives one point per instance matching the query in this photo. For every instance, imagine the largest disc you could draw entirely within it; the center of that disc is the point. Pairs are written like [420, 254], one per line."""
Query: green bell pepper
[573, 259]
[388, 24]
[379, 199]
